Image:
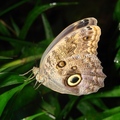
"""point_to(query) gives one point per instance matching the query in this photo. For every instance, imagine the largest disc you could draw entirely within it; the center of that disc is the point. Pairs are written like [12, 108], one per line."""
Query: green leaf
[117, 60]
[86, 108]
[13, 7]
[117, 11]
[34, 116]
[113, 117]
[47, 27]
[112, 114]
[12, 79]
[31, 18]
[4, 57]
[15, 26]
[12, 65]
[17, 41]
[117, 43]
[55, 103]
[3, 29]
[5, 97]
[99, 103]
[67, 108]
[40, 116]
[47, 107]
[34, 13]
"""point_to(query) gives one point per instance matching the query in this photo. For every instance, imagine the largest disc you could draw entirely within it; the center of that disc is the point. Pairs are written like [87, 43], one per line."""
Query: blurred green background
[26, 29]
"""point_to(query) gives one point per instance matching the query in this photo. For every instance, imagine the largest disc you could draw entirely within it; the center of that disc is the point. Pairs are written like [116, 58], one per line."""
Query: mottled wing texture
[70, 64]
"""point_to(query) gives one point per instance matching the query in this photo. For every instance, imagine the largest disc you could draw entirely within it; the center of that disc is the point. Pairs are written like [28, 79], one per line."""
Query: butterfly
[70, 64]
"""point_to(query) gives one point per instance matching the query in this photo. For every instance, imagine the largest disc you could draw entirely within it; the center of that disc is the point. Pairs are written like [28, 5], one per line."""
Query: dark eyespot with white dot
[74, 80]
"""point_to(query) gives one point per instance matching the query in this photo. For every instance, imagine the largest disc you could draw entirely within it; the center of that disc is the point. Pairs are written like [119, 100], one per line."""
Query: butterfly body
[70, 64]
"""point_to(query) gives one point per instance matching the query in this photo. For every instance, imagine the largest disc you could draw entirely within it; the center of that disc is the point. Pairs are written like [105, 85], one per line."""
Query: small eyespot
[86, 38]
[74, 80]
[61, 64]
[74, 67]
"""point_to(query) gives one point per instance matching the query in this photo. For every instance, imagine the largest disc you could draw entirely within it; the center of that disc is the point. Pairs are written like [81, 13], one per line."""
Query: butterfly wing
[76, 25]
[70, 64]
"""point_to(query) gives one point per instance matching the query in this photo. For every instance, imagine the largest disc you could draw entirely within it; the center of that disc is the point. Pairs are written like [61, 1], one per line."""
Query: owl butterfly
[70, 64]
